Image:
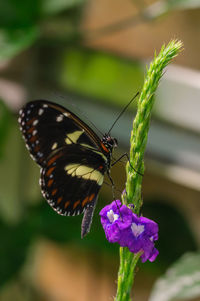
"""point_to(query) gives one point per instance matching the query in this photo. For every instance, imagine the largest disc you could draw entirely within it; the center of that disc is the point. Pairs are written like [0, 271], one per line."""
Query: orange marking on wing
[67, 204]
[100, 167]
[50, 182]
[50, 171]
[59, 199]
[85, 201]
[54, 191]
[76, 204]
[33, 138]
[104, 147]
[31, 130]
[91, 197]
[54, 158]
[30, 121]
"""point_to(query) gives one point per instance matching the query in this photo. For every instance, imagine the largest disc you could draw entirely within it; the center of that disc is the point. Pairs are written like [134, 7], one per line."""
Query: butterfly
[73, 159]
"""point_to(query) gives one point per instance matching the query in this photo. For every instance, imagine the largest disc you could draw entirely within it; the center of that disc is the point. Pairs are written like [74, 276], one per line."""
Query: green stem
[126, 274]
[138, 143]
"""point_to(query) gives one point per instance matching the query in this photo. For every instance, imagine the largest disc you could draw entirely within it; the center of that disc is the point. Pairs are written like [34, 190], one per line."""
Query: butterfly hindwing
[72, 178]
[46, 127]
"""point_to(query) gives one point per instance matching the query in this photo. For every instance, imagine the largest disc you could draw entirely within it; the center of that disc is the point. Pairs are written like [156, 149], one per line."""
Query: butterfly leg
[112, 184]
[113, 188]
[127, 156]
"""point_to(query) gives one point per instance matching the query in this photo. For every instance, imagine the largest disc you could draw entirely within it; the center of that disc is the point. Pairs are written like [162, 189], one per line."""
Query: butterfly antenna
[122, 112]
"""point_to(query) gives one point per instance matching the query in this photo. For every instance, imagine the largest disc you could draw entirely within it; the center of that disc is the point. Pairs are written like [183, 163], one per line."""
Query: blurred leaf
[14, 41]
[5, 124]
[15, 14]
[100, 75]
[181, 281]
[18, 29]
[52, 6]
[15, 241]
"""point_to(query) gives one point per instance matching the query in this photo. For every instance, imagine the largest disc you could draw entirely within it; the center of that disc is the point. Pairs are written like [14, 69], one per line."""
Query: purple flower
[114, 219]
[121, 225]
[141, 236]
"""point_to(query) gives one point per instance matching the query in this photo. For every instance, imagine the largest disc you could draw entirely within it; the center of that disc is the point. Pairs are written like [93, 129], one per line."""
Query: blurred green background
[91, 57]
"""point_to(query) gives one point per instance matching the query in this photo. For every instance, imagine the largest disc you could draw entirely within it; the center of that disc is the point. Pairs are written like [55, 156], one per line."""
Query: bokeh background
[91, 57]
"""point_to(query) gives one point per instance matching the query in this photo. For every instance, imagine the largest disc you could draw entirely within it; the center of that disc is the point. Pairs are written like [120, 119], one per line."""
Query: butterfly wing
[47, 127]
[72, 158]
[72, 178]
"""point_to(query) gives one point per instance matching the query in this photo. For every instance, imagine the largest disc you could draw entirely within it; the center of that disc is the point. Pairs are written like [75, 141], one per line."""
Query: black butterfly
[73, 159]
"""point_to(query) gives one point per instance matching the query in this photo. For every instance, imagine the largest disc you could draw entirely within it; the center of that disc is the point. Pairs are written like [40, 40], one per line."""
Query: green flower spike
[139, 134]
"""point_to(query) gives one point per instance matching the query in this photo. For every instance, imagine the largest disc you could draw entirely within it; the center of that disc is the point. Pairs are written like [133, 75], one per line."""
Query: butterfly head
[109, 142]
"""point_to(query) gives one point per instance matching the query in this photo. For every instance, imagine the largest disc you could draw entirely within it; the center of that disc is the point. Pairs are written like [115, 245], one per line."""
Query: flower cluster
[121, 225]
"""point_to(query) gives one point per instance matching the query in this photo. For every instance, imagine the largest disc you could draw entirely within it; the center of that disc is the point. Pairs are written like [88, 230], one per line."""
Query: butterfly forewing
[47, 127]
